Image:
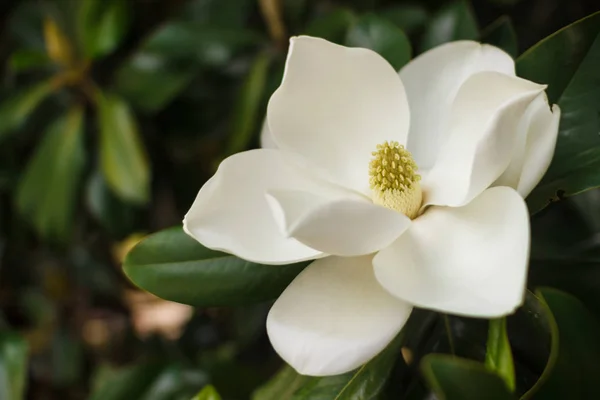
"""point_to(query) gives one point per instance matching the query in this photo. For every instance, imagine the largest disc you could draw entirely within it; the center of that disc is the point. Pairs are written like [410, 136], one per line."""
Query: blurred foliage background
[113, 113]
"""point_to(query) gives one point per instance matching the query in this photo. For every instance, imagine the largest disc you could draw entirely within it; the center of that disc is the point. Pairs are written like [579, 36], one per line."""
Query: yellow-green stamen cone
[394, 180]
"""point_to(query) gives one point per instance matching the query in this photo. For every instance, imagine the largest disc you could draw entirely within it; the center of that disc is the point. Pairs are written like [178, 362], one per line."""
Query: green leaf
[453, 378]
[282, 386]
[175, 382]
[150, 81]
[377, 34]
[13, 366]
[501, 33]
[498, 356]
[410, 18]
[453, 22]
[15, 110]
[128, 383]
[102, 24]
[567, 61]
[208, 393]
[208, 45]
[172, 265]
[67, 358]
[47, 192]
[116, 216]
[572, 371]
[25, 60]
[122, 153]
[246, 114]
[332, 26]
[167, 62]
[367, 382]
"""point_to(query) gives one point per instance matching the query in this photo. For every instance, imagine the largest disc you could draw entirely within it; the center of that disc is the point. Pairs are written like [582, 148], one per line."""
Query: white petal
[334, 317]
[534, 147]
[432, 81]
[266, 138]
[231, 213]
[470, 260]
[343, 226]
[541, 143]
[334, 106]
[483, 131]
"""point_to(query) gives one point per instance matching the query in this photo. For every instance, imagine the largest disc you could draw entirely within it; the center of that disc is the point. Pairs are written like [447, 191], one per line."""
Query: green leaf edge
[554, 343]
[544, 40]
[433, 382]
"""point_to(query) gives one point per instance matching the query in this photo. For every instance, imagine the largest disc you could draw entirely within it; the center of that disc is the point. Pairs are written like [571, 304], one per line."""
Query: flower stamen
[394, 179]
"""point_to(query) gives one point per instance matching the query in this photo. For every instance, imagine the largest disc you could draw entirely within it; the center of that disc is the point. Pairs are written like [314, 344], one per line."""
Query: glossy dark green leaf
[123, 156]
[454, 378]
[47, 192]
[377, 34]
[208, 393]
[282, 386]
[572, 368]
[498, 356]
[410, 18]
[128, 383]
[501, 33]
[172, 265]
[150, 81]
[13, 366]
[15, 109]
[572, 371]
[248, 111]
[367, 382]
[204, 44]
[332, 26]
[530, 334]
[454, 21]
[175, 382]
[102, 24]
[567, 62]
[167, 62]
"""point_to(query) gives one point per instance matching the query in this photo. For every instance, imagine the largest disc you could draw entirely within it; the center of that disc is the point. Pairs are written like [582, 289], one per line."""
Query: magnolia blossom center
[394, 180]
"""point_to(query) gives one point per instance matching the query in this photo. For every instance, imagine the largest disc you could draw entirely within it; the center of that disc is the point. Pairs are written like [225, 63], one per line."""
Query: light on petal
[231, 212]
[334, 106]
[346, 226]
[470, 260]
[334, 317]
[432, 81]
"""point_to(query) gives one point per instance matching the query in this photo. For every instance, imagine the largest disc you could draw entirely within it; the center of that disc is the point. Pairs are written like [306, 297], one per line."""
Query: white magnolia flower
[341, 185]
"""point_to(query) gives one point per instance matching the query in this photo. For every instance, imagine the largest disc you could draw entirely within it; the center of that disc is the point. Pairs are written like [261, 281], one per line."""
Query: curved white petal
[334, 317]
[541, 143]
[334, 106]
[231, 213]
[483, 131]
[432, 81]
[534, 148]
[266, 138]
[470, 260]
[343, 226]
